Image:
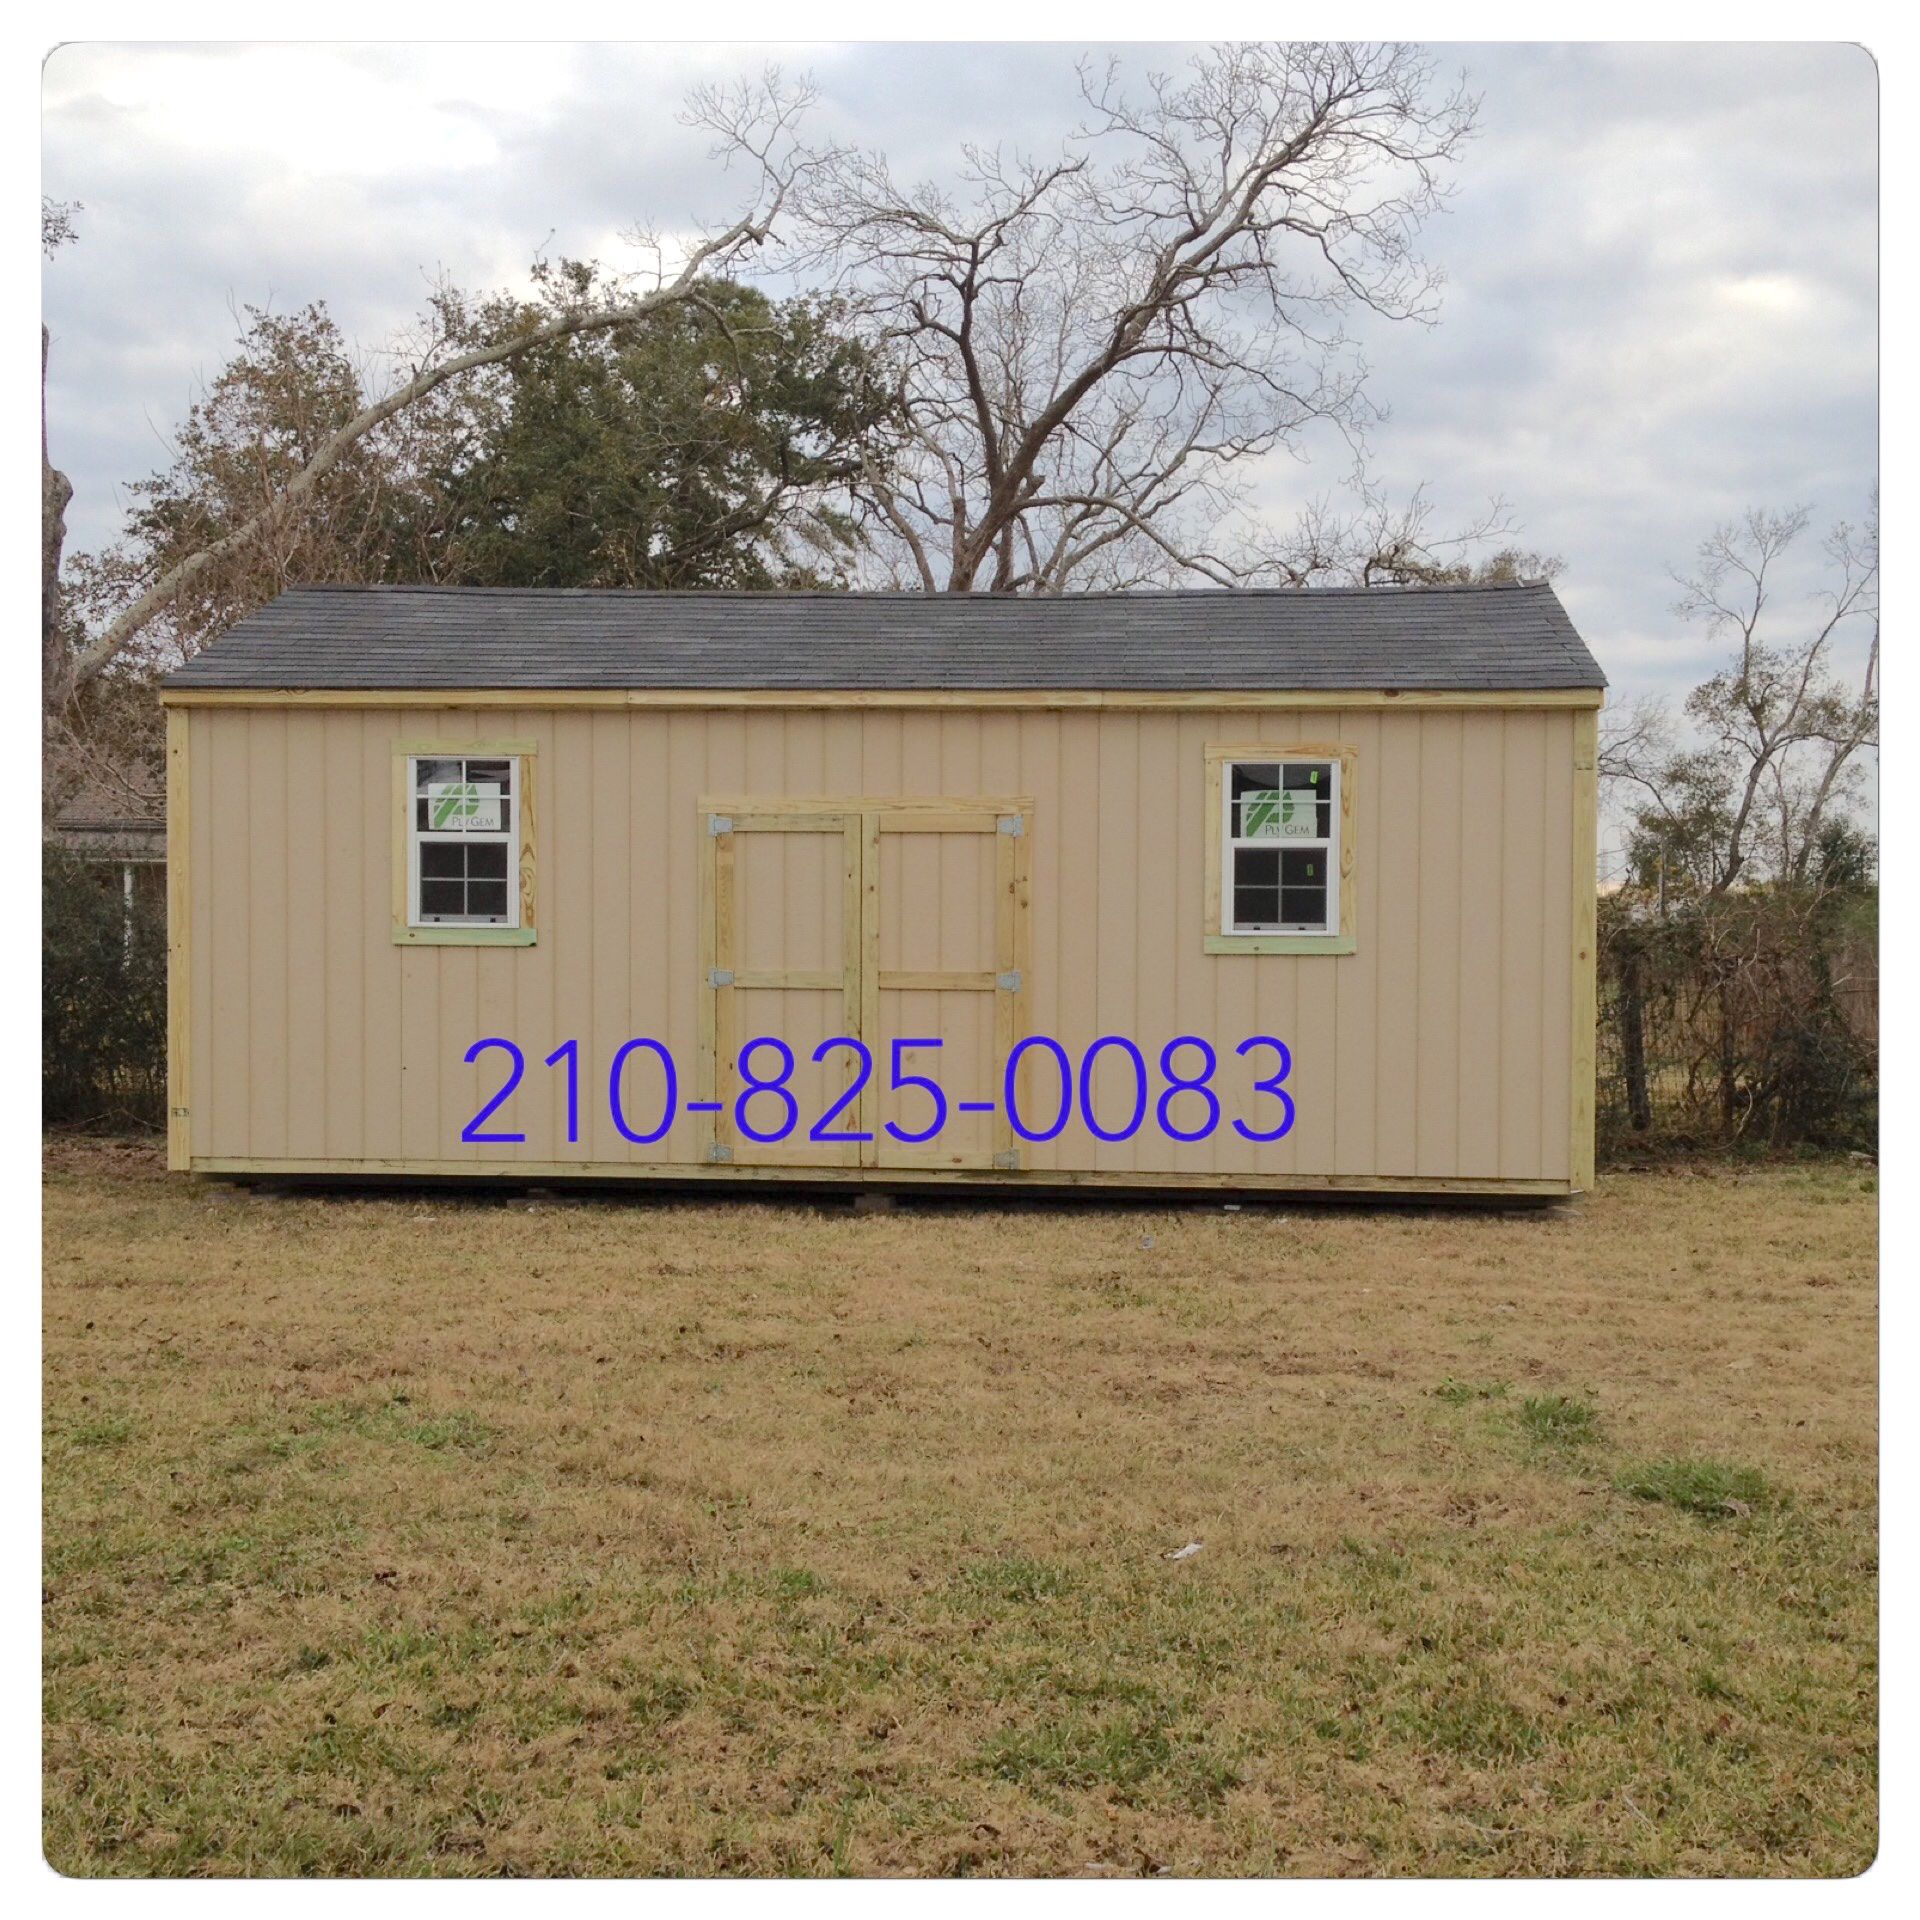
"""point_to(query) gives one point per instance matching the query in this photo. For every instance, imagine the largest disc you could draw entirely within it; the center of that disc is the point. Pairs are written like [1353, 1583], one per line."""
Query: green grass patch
[1464, 1393]
[1703, 1487]
[1469, 1716]
[788, 1584]
[1560, 1419]
[1128, 1755]
[1019, 1580]
[396, 1421]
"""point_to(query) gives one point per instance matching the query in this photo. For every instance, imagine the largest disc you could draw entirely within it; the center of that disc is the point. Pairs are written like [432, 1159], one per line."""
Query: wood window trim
[405, 752]
[1214, 939]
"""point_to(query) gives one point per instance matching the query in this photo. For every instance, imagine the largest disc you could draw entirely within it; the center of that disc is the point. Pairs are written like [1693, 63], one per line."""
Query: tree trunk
[1729, 1075]
[56, 664]
[1632, 1015]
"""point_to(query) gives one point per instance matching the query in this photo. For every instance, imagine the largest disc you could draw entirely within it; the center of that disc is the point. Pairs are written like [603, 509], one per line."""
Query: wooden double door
[864, 965]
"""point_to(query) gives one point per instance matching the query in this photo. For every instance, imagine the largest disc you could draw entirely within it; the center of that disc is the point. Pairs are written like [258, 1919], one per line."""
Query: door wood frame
[722, 978]
[861, 822]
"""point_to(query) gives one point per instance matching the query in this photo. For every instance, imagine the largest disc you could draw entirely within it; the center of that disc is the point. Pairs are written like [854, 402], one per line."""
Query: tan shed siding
[307, 810]
[380, 1036]
[1440, 1049]
[1555, 966]
[222, 891]
[1521, 1004]
[1483, 826]
[195, 1047]
[1356, 985]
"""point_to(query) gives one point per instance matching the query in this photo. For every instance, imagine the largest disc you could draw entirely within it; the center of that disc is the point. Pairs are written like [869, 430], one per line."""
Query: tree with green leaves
[754, 124]
[708, 445]
[712, 443]
[714, 446]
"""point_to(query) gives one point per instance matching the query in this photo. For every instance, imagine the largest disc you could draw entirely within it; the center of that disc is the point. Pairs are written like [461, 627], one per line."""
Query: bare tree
[1778, 738]
[753, 122]
[56, 490]
[1089, 346]
[1378, 542]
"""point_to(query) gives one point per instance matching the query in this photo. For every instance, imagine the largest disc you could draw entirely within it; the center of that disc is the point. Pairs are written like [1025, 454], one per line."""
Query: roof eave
[199, 694]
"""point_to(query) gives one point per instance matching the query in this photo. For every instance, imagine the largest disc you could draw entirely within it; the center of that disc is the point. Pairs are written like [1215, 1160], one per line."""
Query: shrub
[1749, 1022]
[103, 998]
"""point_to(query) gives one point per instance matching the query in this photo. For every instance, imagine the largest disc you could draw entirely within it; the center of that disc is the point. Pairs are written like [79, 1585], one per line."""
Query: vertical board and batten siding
[1441, 1049]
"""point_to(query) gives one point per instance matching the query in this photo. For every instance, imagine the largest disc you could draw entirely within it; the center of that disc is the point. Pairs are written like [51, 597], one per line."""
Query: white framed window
[464, 854]
[463, 838]
[1280, 855]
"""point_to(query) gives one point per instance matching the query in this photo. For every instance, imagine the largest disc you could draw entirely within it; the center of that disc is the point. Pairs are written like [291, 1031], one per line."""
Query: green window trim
[1331, 943]
[444, 936]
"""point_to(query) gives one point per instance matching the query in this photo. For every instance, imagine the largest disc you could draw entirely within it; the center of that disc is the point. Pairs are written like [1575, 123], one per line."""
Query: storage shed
[1247, 890]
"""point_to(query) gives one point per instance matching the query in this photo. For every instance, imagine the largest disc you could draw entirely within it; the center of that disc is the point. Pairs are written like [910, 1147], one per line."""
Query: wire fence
[1746, 1023]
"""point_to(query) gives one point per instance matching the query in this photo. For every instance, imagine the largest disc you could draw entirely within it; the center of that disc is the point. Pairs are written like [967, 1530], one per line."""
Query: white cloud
[1661, 260]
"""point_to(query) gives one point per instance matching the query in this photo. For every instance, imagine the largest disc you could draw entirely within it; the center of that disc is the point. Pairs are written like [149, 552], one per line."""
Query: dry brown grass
[441, 1535]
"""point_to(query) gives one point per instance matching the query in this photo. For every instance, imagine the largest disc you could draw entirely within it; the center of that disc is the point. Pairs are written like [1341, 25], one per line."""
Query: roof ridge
[909, 595]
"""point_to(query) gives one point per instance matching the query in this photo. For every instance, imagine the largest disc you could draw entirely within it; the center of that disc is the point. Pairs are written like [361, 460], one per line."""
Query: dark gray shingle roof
[450, 637]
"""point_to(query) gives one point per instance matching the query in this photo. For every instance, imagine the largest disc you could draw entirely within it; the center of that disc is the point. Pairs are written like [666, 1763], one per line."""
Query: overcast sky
[1661, 261]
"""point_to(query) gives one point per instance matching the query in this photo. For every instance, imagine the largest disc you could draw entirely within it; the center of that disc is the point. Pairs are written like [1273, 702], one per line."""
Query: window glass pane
[1303, 887]
[487, 859]
[442, 896]
[487, 897]
[1314, 777]
[1304, 907]
[1292, 800]
[1248, 777]
[1256, 886]
[442, 860]
[1256, 908]
[462, 796]
[492, 782]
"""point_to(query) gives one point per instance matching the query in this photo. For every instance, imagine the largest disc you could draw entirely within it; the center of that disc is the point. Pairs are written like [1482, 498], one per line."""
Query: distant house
[1282, 891]
[112, 819]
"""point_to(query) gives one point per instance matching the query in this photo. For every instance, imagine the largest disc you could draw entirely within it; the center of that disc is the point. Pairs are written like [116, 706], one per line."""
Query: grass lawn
[476, 1536]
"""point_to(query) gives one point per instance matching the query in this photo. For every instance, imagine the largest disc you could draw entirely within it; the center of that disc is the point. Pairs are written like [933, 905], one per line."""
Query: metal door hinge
[719, 823]
[719, 976]
[718, 1152]
[1008, 1162]
[1014, 824]
[1008, 982]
